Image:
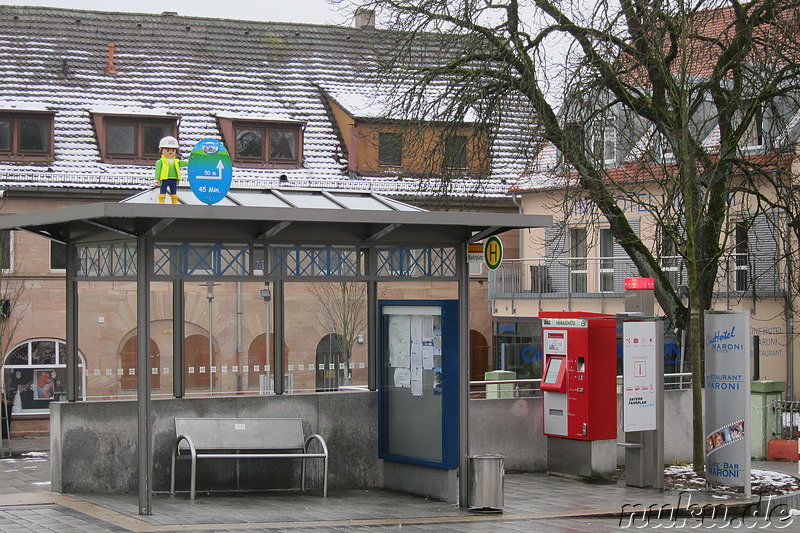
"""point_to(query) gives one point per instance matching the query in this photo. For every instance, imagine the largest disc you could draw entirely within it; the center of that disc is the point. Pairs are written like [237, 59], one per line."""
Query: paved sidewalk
[533, 502]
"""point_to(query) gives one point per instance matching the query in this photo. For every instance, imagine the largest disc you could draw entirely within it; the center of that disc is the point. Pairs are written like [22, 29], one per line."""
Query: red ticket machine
[580, 375]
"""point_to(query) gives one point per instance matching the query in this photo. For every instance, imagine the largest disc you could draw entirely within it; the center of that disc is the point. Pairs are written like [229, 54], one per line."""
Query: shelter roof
[279, 216]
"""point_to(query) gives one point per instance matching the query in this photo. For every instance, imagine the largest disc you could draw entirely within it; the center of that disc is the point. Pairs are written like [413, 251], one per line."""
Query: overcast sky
[311, 11]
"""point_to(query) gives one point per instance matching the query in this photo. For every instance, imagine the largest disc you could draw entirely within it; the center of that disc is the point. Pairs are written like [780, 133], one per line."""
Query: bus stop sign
[493, 252]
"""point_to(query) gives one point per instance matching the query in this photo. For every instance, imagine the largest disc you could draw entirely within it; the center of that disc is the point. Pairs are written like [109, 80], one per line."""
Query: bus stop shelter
[272, 235]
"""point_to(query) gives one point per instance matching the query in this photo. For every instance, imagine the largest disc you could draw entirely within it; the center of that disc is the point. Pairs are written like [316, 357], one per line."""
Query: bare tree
[342, 311]
[11, 310]
[655, 80]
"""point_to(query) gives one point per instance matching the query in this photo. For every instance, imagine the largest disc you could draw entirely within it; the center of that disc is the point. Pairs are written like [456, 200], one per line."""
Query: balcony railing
[598, 277]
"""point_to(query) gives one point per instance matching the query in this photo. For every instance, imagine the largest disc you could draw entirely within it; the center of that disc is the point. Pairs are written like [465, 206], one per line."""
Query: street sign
[493, 252]
[210, 171]
[475, 252]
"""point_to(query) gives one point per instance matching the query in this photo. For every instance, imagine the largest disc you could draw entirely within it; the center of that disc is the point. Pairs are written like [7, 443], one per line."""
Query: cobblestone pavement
[533, 502]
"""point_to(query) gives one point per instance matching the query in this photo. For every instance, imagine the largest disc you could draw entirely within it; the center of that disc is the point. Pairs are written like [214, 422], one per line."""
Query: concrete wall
[93, 444]
[512, 427]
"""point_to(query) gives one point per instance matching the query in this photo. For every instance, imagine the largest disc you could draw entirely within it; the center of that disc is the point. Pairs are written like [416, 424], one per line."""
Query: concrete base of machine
[594, 460]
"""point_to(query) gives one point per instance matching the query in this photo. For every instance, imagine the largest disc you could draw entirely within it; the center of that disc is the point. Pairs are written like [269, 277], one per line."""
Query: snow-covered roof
[197, 69]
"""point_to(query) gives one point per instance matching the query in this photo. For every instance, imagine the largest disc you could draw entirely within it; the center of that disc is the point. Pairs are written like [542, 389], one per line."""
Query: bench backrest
[242, 433]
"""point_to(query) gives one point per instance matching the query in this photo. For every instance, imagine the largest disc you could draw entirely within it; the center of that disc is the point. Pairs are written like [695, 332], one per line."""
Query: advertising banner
[727, 398]
[639, 373]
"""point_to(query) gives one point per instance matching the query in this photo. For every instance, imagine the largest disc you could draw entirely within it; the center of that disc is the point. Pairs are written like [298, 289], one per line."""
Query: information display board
[418, 395]
[640, 378]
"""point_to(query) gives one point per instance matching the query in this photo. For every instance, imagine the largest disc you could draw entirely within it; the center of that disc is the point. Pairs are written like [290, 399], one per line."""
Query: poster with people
[43, 385]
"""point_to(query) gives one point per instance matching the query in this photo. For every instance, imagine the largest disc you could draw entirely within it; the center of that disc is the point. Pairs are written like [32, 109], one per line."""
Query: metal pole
[143, 259]
[372, 320]
[463, 373]
[278, 363]
[72, 323]
[756, 357]
[178, 328]
[267, 295]
[268, 340]
[210, 296]
[238, 335]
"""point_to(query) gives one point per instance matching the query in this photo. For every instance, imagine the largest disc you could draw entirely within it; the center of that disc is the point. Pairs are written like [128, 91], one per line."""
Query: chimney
[365, 19]
[110, 65]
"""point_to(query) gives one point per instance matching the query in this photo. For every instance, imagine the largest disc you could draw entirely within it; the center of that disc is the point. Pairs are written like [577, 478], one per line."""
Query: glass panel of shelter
[225, 346]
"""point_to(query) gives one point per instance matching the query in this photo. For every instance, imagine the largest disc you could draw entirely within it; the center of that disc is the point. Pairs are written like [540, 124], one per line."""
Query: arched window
[478, 356]
[332, 369]
[35, 373]
[128, 359]
[257, 368]
[257, 363]
[197, 374]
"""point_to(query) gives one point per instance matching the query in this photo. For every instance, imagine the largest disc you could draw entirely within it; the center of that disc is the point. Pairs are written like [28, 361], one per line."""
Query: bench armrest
[319, 439]
[188, 439]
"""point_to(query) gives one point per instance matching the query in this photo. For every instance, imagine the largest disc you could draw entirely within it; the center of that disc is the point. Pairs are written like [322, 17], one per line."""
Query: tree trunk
[694, 343]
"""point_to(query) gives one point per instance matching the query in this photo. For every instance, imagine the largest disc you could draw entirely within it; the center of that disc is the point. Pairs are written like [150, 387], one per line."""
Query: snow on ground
[682, 477]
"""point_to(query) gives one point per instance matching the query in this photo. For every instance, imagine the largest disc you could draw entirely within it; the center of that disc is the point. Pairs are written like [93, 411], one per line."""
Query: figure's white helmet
[168, 142]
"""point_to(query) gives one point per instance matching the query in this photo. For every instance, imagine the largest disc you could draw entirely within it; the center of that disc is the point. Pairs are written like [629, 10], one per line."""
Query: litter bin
[486, 473]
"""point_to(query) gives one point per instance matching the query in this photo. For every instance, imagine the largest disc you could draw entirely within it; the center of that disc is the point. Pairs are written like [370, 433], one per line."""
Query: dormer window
[390, 149]
[264, 144]
[754, 133]
[455, 152]
[604, 143]
[26, 136]
[132, 139]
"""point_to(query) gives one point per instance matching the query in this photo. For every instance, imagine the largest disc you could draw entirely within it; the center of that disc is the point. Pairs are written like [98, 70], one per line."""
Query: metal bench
[245, 438]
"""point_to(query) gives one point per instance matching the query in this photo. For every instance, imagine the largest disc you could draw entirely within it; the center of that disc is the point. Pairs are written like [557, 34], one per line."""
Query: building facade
[86, 96]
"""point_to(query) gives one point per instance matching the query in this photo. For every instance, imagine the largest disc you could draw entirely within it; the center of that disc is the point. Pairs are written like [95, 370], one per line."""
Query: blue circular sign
[210, 171]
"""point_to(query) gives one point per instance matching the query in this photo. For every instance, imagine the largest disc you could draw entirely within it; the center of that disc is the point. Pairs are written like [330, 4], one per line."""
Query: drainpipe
[520, 252]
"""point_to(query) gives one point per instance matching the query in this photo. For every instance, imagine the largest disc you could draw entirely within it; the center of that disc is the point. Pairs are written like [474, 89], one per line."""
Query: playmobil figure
[168, 169]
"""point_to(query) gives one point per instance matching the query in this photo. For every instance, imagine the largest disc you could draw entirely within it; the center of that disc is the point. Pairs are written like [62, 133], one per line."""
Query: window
[6, 259]
[34, 374]
[198, 363]
[455, 152]
[390, 149]
[263, 144]
[662, 147]
[58, 256]
[741, 261]
[129, 363]
[754, 133]
[669, 258]
[578, 267]
[26, 136]
[132, 139]
[604, 143]
[606, 260]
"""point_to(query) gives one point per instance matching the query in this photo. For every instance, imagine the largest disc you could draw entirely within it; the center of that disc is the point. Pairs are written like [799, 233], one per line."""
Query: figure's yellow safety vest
[165, 168]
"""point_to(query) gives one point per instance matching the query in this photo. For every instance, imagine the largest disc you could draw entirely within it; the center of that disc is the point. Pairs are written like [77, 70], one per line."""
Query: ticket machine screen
[555, 373]
[551, 378]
